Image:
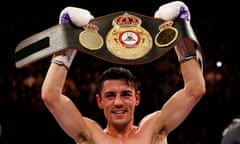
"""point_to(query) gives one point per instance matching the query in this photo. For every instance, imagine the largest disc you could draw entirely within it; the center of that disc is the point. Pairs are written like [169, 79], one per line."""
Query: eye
[126, 94]
[110, 95]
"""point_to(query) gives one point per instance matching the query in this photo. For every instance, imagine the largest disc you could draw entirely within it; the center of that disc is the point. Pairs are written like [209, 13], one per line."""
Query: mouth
[119, 113]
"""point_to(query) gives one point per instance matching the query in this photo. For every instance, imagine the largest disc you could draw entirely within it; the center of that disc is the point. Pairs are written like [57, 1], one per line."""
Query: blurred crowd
[25, 119]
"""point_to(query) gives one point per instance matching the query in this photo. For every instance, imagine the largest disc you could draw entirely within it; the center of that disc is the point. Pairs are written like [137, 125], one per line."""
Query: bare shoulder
[151, 119]
[152, 124]
[96, 131]
[93, 125]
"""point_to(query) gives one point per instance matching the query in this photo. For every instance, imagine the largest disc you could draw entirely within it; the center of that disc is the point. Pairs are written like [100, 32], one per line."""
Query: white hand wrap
[78, 17]
[64, 58]
[172, 10]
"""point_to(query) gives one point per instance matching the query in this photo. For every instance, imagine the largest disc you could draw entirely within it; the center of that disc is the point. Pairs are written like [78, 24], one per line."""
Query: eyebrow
[124, 91]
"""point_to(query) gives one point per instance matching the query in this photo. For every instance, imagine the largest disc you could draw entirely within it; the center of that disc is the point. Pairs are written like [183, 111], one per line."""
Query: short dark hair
[117, 73]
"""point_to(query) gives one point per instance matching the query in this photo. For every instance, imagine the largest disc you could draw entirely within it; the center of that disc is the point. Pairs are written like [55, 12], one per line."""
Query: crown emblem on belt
[127, 20]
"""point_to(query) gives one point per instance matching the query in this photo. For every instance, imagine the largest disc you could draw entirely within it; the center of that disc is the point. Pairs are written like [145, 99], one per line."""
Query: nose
[118, 101]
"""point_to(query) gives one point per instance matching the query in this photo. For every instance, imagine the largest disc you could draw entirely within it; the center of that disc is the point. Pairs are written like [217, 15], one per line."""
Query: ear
[138, 96]
[99, 99]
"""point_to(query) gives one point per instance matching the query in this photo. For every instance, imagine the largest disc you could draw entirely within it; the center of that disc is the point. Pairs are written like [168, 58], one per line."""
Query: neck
[122, 133]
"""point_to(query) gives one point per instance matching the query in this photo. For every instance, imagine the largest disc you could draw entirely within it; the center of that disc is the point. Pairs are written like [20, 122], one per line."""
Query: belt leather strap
[123, 37]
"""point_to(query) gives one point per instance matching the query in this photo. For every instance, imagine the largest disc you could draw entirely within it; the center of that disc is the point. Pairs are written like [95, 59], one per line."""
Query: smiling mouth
[119, 112]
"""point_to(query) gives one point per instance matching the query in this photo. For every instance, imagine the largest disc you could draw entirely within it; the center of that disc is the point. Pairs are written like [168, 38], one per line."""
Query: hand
[173, 10]
[78, 17]
[186, 48]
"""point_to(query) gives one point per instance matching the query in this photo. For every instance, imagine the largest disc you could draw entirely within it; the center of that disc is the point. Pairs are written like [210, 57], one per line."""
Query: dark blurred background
[24, 118]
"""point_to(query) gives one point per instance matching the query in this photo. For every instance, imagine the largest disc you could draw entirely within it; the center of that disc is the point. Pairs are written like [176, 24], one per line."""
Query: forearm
[190, 57]
[193, 78]
[54, 81]
[61, 61]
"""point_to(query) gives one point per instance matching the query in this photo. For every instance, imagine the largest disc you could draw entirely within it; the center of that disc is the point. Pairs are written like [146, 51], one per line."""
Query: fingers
[172, 10]
[77, 16]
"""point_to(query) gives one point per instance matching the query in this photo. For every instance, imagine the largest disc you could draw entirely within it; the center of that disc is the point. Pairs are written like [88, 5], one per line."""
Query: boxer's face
[118, 100]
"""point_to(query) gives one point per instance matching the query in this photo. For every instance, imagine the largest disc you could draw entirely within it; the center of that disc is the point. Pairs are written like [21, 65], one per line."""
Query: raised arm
[62, 108]
[179, 106]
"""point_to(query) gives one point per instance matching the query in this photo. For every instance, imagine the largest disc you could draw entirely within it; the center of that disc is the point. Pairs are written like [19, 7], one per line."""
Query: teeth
[119, 112]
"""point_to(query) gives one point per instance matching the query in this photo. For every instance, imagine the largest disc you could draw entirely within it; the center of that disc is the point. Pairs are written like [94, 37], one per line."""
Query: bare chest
[136, 140]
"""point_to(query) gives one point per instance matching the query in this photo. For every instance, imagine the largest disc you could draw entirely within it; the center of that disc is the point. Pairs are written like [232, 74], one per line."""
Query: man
[118, 94]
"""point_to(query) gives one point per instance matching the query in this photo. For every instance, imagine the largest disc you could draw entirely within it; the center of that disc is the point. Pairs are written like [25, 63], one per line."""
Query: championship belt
[123, 37]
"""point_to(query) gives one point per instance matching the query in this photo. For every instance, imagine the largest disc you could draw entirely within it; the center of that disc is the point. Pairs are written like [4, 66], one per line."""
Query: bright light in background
[219, 63]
